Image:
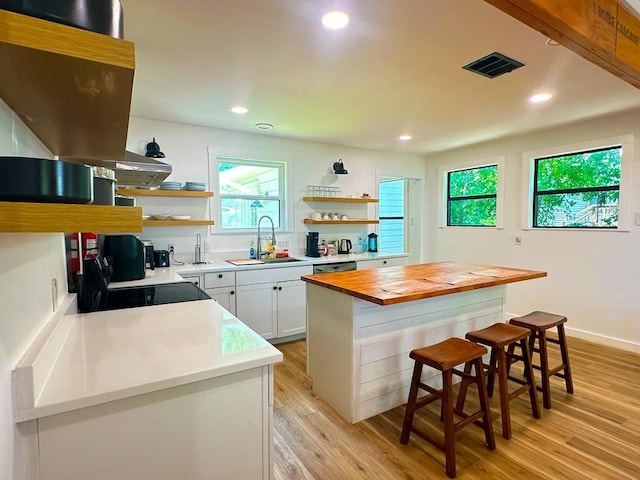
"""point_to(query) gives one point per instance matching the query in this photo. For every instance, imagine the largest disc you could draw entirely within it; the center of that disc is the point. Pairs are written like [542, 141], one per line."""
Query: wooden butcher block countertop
[386, 286]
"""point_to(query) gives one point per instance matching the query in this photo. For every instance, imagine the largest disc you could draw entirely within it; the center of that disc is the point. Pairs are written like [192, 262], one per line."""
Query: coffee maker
[312, 245]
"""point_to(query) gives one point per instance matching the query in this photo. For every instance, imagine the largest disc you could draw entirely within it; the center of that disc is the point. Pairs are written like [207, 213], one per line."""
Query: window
[249, 190]
[391, 204]
[472, 195]
[578, 189]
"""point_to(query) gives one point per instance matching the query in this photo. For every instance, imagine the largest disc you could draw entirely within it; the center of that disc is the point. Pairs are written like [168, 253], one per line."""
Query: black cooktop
[160, 294]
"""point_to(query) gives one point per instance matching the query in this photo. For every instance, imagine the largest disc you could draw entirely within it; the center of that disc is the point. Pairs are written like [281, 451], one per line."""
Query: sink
[281, 260]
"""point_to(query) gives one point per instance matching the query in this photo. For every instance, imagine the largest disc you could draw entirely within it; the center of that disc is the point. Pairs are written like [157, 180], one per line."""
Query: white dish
[146, 217]
[161, 217]
[180, 217]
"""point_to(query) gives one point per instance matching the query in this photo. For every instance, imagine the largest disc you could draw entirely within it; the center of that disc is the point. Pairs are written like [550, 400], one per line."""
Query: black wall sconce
[338, 168]
[153, 150]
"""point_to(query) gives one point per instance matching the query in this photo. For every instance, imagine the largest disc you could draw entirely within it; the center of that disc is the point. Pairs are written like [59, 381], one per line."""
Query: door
[292, 308]
[255, 306]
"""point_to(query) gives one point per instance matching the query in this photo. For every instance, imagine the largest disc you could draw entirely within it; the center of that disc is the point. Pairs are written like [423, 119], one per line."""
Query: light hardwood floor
[594, 433]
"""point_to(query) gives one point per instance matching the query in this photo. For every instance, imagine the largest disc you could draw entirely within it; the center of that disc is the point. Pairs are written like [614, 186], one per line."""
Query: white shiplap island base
[358, 350]
[162, 392]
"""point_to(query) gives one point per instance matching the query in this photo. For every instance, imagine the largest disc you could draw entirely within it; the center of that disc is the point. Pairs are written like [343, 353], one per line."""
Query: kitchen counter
[363, 324]
[93, 358]
[387, 286]
[175, 272]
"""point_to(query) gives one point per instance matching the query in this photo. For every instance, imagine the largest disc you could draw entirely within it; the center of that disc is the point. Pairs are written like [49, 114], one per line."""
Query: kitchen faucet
[273, 235]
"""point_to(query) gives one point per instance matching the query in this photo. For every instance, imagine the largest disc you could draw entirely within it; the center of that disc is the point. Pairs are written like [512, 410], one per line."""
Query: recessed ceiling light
[404, 138]
[264, 126]
[335, 19]
[239, 109]
[540, 97]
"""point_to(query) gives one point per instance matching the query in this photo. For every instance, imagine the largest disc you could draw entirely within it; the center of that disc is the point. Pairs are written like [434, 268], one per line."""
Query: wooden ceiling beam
[605, 32]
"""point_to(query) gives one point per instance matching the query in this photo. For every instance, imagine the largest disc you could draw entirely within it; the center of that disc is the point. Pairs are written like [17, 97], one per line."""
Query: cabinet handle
[384, 262]
[196, 283]
[219, 275]
[279, 288]
[233, 292]
[275, 288]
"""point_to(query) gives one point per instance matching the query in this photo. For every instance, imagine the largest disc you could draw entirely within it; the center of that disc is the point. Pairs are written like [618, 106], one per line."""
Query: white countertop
[99, 357]
[175, 273]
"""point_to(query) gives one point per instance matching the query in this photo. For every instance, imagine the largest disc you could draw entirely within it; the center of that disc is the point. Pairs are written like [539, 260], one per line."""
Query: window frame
[443, 207]
[529, 159]
[469, 197]
[284, 187]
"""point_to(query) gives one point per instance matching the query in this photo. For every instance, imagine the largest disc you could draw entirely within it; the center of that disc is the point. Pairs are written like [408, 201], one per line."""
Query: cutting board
[245, 261]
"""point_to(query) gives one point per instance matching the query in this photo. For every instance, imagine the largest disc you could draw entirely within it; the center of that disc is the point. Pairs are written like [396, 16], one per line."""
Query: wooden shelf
[176, 223]
[162, 193]
[71, 87]
[340, 199]
[61, 217]
[310, 221]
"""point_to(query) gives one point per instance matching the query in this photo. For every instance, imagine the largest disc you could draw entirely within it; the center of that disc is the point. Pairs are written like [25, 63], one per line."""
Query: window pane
[474, 181]
[247, 179]
[474, 212]
[584, 169]
[244, 213]
[391, 236]
[588, 209]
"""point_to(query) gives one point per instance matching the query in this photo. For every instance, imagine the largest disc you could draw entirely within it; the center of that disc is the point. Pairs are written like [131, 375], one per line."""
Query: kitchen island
[363, 324]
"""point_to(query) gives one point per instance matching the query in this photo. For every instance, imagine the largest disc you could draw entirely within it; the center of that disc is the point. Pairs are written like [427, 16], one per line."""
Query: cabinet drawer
[281, 274]
[219, 279]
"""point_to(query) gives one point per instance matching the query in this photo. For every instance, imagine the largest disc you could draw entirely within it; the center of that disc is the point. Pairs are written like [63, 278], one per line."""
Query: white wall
[186, 147]
[593, 276]
[28, 263]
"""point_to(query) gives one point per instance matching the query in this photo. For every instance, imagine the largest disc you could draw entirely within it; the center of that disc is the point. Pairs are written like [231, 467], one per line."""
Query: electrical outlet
[171, 247]
[205, 247]
[517, 240]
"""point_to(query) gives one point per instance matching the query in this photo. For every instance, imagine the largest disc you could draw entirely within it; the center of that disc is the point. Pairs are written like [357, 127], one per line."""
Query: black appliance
[160, 258]
[93, 282]
[127, 254]
[148, 254]
[372, 244]
[335, 267]
[312, 245]
[93, 294]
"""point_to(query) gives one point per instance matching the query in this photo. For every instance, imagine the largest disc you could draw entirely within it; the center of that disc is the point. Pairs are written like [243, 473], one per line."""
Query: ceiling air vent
[493, 65]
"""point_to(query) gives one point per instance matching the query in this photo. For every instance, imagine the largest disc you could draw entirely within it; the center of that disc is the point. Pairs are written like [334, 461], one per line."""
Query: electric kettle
[344, 246]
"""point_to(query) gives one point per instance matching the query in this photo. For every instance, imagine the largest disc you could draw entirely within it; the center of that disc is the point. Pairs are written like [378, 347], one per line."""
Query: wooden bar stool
[539, 323]
[498, 336]
[444, 356]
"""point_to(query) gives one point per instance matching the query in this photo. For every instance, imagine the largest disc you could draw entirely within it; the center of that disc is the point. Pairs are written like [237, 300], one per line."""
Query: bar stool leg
[411, 404]
[449, 429]
[484, 405]
[544, 369]
[568, 379]
[526, 353]
[464, 386]
[504, 392]
[491, 375]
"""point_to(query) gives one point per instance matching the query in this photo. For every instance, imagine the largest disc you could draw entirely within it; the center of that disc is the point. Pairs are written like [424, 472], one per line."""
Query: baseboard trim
[594, 337]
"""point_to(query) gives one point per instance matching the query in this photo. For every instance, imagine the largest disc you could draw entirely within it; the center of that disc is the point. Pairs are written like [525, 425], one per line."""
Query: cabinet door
[256, 306]
[225, 296]
[292, 308]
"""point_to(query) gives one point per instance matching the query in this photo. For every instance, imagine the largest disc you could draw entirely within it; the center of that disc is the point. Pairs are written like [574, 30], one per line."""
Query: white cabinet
[219, 428]
[256, 306]
[381, 262]
[195, 279]
[221, 286]
[273, 301]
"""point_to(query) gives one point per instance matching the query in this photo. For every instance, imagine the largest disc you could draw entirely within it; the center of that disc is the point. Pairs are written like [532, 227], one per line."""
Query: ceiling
[395, 69]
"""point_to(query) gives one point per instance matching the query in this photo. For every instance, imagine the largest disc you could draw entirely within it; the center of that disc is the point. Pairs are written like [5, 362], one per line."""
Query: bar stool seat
[498, 336]
[538, 323]
[444, 356]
